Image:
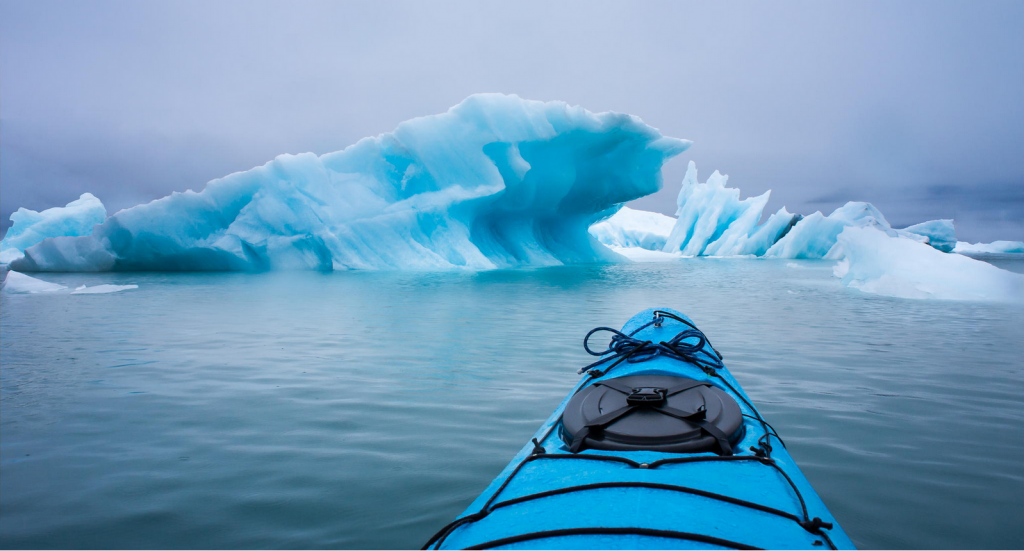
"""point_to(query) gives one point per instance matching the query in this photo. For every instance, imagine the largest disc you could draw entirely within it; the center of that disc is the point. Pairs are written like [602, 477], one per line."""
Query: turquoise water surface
[366, 410]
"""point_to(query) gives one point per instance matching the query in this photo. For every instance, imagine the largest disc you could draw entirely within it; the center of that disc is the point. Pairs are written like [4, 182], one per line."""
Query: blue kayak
[657, 447]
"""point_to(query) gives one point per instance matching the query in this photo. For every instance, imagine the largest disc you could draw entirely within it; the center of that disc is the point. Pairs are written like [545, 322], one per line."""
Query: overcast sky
[914, 106]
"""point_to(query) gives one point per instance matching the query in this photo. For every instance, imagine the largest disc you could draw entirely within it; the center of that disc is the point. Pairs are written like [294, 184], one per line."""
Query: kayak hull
[550, 498]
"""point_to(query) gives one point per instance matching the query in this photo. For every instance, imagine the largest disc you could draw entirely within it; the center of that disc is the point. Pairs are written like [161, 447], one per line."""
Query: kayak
[657, 447]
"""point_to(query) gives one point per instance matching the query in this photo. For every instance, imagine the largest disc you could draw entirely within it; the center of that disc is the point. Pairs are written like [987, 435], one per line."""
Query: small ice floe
[19, 283]
[459, 194]
[101, 289]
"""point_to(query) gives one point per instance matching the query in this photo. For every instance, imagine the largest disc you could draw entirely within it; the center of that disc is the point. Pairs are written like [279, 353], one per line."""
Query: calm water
[307, 410]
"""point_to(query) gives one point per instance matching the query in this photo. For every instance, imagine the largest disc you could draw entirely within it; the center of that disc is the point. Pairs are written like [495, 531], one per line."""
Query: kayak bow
[657, 447]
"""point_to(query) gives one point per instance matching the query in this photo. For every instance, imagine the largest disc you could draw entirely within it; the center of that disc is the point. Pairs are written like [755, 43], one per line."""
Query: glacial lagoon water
[366, 410]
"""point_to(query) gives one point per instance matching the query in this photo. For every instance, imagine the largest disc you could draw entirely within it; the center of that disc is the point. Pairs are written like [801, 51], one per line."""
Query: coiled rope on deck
[687, 346]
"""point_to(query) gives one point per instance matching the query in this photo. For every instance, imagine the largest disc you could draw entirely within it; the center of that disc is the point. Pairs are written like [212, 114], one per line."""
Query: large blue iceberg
[497, 181]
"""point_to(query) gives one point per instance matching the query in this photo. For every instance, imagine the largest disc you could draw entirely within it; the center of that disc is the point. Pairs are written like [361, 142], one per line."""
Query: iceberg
[873, 257]
[874, 261]
[995, 247]
[630, 228]
[18, 283]
[30, 227]
[940, 233]
[497, 181]
[711, 220]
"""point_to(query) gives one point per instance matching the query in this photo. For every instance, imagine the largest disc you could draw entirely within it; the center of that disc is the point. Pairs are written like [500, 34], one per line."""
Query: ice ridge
[712, 220]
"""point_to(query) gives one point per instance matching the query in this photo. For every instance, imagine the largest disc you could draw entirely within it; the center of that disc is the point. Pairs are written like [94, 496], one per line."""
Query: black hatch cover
[652, 412]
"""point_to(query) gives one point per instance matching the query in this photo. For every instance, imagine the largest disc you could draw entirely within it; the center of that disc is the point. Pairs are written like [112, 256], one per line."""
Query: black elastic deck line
[805, 522]
[707, 458]
[773, 432]
[764, 460]
[651, 485]
[609, 531]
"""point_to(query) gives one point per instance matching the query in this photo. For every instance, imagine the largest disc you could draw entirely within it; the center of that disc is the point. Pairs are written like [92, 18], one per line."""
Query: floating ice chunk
[30, 227]
[634, 228]
[995, 247]
[101, 289]
[940, 233]
[815, 235]
[711, 219]
[876, 262]
[19, 283]
[497, 181]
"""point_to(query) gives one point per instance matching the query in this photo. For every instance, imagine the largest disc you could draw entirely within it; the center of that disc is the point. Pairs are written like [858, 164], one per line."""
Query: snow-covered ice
[876, 262]
[995, 247]
[20, 283]
[497, 181]
[30, 227]
[635, 229]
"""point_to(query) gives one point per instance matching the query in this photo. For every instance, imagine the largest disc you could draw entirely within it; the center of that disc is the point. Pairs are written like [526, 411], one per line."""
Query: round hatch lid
[652, 412]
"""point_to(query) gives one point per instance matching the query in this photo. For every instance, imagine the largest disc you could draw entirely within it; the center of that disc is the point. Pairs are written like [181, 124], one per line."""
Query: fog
[914, 106]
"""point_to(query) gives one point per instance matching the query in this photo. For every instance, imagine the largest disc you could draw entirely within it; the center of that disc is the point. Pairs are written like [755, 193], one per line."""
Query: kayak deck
[550, 498]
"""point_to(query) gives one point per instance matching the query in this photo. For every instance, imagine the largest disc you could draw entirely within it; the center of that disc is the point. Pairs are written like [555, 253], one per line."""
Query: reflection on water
[365, 410]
